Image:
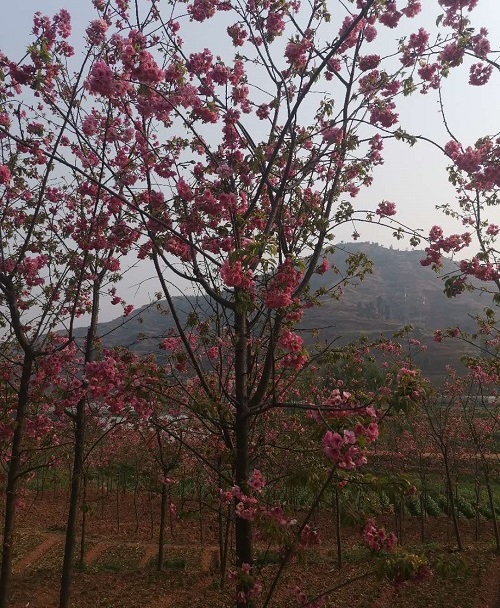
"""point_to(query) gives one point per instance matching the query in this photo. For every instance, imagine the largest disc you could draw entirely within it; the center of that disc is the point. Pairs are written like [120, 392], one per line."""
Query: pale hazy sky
[414, 178]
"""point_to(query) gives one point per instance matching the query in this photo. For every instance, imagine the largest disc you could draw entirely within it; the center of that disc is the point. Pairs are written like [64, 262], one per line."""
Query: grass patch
[174, 563]
[169, 563]
[114, 566]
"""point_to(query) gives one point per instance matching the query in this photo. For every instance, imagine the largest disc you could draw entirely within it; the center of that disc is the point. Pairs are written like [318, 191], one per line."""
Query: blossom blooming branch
[230, 172]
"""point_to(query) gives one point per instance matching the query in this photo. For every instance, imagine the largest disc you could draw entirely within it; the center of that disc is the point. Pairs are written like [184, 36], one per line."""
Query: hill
[400, 291]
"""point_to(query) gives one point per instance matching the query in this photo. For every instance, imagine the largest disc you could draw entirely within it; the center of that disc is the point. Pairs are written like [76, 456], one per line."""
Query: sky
[414, 178]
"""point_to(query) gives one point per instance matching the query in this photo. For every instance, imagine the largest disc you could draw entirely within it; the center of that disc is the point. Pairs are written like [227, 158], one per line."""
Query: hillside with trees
[397, 292]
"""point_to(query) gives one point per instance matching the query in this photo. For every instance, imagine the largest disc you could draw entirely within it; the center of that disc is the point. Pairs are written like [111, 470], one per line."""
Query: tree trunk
[493, 514]
[13, 478]
[200, 513]
[338, 529]
[117, 507]
[422, 516]
[136, 490]
[161, 534]
[151, 516]
[72, 522]
[83, 535]
[477, 490]
[77, 472]
[243, 527]
[225, 548]
[453, 507]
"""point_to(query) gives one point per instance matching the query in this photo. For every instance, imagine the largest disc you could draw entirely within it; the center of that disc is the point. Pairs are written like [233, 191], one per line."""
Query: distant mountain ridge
[400, 291]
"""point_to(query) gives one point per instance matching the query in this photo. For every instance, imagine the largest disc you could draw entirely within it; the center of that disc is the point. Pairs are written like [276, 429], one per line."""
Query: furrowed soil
[119, 567]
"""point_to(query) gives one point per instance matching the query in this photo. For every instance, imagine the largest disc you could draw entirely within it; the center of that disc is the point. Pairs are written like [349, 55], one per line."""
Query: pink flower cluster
[200, 10]
[383, 113]
[340, 404]
[455, 10]
[30, 269]
[296, 356]
[346, 447]
[237, 34]
[333, 135]
[275, 24]
[120, 382]
[5, 175]
[323, 267]
[377, 539]
[143, 67]
[246, 506]
[480, 74]
[439, 243]
[376, 147]
[414, 47]
[172, 344]
[184, 190]
[102, 81]
[386, 209]
[481, 162]
[342, 449]
[291, 341]
[178, 247]
[368, 62]
[468, 160]
[484, 271]
[257, 481]
[452, 55]
[96, 31]
[296, 53]
[391, 16]
[236, 275]
[281, 286]
[349, 33]
[480, 43]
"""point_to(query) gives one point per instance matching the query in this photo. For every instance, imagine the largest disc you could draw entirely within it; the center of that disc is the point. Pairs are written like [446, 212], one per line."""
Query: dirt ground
[120, 550]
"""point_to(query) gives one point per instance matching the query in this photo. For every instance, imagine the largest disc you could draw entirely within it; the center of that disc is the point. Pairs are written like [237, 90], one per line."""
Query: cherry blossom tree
[473, 172]
[477, 395]
[230, 170]
[41, 284]
[61, 246]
